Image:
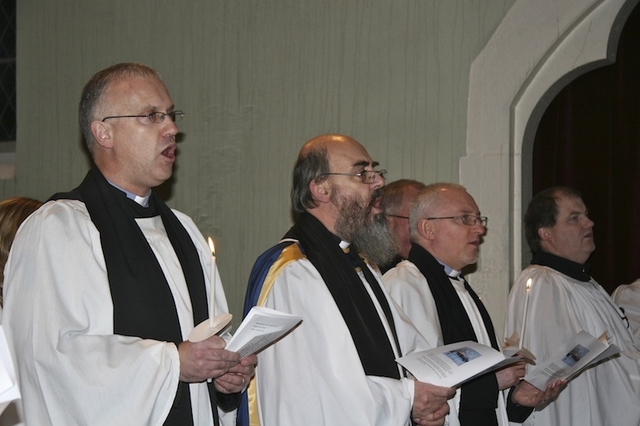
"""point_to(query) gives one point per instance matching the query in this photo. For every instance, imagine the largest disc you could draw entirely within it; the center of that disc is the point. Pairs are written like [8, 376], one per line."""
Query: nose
[588, 223]
[479, 227]
[170, 127]
[378, 182]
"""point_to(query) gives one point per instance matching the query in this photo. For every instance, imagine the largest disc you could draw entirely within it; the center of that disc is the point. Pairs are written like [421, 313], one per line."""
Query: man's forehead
[142, 91]
[569, 205]
[352, 155]
[457, 201]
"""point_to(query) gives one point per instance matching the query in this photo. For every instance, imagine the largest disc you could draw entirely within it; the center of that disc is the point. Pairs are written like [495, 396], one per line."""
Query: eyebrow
[155, 108]
[467, 212]
[364, 163]
[572, 212]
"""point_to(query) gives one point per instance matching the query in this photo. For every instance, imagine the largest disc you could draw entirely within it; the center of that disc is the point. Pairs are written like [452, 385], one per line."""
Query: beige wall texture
[256, 80]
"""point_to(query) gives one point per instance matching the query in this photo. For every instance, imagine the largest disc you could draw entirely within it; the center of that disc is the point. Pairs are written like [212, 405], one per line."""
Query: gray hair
[425, 203]
[393, 193]
[94, 90]
[311, 163]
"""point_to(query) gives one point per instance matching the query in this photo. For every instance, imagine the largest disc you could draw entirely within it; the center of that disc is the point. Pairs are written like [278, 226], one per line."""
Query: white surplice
[410, 289]
[560, 307]
[58, 315]
[314, 376]
[628, 297]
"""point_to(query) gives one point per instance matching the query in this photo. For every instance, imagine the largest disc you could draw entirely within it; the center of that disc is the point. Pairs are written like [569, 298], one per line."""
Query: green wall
[257, 79]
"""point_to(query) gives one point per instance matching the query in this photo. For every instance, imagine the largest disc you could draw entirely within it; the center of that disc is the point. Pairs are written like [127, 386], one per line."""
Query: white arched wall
[537, 49]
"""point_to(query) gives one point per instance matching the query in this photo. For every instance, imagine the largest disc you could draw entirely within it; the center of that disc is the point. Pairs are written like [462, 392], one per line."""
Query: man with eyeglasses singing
[338, 367]
[446, 233]
[105, 283]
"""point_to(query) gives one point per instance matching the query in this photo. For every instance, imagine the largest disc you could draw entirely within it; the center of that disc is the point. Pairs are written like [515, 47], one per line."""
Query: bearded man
[338, 366]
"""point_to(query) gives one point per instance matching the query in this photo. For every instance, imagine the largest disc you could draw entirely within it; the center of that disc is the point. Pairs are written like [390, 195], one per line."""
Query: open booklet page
[580, 352]
[261, 327]
[8, 384]
[454, 364]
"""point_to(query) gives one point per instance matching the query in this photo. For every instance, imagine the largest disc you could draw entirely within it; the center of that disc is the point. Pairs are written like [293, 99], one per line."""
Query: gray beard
[370, 235]
[377, 242]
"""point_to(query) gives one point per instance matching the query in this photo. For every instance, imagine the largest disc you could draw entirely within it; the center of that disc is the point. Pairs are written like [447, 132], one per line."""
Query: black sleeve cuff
[517, 413]
[228, 401]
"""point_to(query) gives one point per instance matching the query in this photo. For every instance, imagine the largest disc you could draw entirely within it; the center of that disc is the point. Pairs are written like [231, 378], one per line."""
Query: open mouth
[170, 152]
[376, 201]
[376, 205]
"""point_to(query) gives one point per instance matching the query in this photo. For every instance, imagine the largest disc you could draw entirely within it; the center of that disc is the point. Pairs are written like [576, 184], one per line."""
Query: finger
[438, 413]
[249, 361]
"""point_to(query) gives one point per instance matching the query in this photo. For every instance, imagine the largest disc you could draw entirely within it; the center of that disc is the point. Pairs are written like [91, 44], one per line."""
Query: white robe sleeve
[409, 288]
[314, 375]
[628, 297]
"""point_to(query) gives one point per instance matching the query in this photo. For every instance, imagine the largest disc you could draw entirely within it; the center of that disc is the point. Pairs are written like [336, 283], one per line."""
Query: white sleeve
[409, 288]
[628, 297]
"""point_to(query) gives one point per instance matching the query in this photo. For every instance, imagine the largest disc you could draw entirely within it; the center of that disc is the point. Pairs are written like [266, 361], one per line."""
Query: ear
[544, 233]
[320, 190]
[102, 134]
[426, 229]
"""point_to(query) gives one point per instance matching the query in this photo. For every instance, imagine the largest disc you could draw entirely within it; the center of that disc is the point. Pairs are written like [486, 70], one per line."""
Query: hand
[530, 396]
[430, 403]
[511, 375]
[238, 377]
[200, 361]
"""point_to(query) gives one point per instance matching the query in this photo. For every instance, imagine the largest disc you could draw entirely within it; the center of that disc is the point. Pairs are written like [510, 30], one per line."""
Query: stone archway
[537, 49]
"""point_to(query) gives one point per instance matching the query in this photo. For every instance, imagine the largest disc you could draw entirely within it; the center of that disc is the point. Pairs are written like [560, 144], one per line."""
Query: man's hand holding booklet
[260, 328]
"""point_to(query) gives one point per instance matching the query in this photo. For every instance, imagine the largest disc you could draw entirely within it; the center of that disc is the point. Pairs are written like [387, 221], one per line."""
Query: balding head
[313, 164]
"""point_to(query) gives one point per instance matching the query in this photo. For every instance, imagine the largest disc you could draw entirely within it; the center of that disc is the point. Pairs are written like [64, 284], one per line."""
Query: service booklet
[260, 328]
[579, 353]
[454, 364]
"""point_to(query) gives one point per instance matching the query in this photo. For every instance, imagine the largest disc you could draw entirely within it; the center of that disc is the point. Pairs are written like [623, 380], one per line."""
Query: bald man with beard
[338, 367]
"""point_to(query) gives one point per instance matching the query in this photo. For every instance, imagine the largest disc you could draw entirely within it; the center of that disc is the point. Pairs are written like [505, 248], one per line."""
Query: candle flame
[213, 250]
[529, 284]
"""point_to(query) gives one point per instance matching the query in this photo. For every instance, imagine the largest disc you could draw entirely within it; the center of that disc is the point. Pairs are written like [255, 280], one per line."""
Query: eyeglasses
[154, 117]
[367, 176]
[466, 219]
[398, 216]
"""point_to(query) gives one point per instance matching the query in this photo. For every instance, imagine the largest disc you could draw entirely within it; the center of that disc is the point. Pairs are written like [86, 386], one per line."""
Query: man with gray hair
[105, 283]
[446, 233]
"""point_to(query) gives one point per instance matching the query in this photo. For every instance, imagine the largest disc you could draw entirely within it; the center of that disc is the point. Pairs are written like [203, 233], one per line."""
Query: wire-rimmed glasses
[153, 117]
[367, 176]
[467, 219]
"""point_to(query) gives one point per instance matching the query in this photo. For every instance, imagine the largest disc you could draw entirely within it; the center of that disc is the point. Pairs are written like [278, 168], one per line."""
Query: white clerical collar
[143, 201]
[344, 245]
[453, 273]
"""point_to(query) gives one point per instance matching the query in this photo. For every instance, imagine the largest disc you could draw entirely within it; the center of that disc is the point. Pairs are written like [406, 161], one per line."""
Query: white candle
[212, 292]
[524, 315]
